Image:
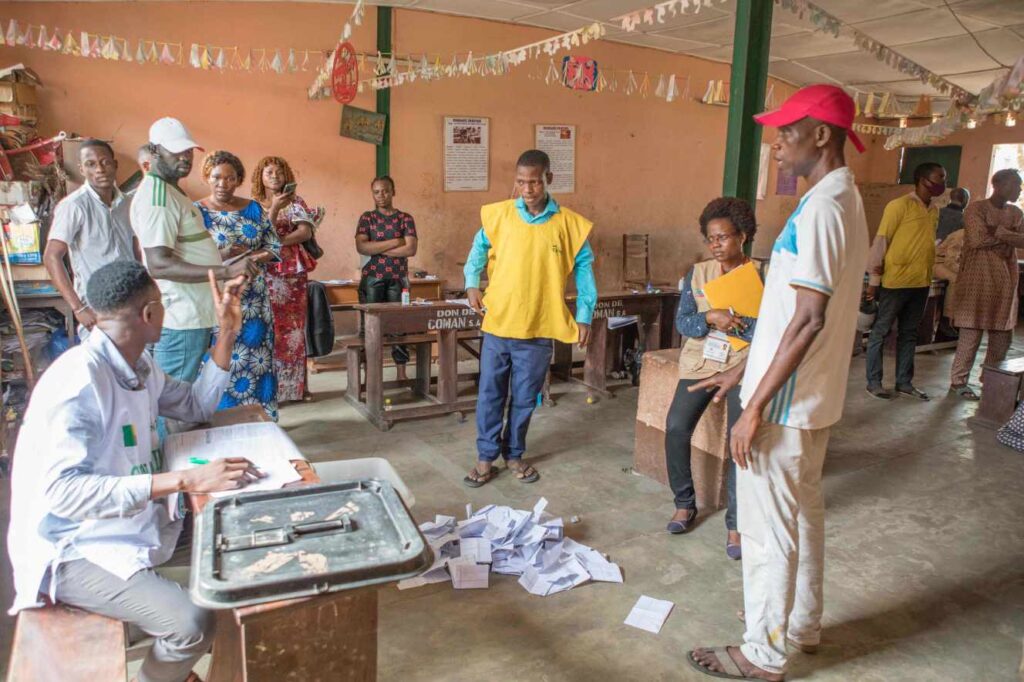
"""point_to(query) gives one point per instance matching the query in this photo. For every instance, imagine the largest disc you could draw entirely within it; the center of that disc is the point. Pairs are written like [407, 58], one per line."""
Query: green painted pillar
[384, 15]
[746, 97]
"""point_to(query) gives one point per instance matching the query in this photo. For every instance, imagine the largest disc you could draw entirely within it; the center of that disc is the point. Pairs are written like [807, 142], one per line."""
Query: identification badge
[716, 346]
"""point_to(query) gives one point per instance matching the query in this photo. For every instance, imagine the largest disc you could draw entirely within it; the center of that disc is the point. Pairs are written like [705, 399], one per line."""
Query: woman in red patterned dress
[286, 280]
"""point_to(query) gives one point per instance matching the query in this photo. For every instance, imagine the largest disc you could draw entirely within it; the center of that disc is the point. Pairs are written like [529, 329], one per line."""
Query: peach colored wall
[643, 165]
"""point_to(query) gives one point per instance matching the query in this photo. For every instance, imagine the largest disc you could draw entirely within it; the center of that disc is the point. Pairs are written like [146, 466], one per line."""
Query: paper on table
[264, 444]
[649, 614]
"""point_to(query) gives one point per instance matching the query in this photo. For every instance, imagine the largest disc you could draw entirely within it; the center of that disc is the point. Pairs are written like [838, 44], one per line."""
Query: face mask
[935, 189]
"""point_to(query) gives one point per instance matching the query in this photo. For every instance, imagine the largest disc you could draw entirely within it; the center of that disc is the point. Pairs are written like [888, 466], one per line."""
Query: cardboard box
[23, 243]
[17, 93]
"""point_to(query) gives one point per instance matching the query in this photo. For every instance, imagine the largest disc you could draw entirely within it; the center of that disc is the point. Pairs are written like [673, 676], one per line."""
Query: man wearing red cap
[794, 385]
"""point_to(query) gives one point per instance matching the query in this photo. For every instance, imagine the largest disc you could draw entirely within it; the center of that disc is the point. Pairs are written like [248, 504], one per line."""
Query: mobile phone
[289, 188]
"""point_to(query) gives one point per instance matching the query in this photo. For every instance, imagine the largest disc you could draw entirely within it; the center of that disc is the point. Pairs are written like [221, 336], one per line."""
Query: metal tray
[303, 541]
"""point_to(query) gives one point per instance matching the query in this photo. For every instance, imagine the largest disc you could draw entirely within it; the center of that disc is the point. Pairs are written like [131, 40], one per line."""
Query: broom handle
[11, 301]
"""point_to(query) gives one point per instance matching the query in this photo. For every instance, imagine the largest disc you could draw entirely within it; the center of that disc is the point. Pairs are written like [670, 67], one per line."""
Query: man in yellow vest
[529, 246]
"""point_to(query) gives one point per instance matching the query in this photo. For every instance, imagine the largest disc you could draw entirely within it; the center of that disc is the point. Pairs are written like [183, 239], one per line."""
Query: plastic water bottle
[405, 297]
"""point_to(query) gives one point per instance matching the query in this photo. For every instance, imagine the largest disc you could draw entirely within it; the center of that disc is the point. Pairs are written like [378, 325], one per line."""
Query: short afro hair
[114, 286]
[384, 178]
[534, 158]
[736, 211]
[925, 169]
[1001, 176]
[94, 143]
[219, 158]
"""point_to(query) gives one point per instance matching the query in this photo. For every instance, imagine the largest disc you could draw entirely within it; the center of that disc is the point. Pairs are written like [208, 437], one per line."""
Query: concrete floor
[925, 555]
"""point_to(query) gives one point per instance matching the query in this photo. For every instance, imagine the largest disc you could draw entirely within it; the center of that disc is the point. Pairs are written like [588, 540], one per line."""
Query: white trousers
[782, 521]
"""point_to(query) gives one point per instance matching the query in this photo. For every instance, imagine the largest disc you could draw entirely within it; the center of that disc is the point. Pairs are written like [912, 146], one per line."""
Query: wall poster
[466, 153]
[559, 141]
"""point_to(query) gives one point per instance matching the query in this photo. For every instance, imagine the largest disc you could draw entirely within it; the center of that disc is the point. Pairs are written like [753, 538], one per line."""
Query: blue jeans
[521, 364]
[179, 352]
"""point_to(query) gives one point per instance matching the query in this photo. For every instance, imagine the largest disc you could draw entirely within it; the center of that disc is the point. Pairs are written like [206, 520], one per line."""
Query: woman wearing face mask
[240, 226]
[901, 261]
[727, 224]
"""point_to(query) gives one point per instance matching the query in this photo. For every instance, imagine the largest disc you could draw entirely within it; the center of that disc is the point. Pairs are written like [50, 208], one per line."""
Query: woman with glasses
[727, 224]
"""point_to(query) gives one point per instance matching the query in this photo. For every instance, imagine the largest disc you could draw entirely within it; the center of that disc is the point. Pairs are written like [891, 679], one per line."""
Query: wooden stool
[1000, 392]
[61, 644]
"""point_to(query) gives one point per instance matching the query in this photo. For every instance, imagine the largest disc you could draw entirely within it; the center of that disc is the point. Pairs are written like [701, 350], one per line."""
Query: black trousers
[687, 409]
[905, 307]
[375, 290]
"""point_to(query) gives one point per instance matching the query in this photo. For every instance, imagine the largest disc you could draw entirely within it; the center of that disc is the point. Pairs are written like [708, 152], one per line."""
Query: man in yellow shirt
[529, 246]
[901, 261]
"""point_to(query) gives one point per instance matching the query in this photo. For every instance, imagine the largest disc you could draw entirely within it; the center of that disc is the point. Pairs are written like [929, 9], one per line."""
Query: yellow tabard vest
[527, 268]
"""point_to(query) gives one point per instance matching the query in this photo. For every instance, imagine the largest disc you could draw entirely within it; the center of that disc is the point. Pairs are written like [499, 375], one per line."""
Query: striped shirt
[163, 216]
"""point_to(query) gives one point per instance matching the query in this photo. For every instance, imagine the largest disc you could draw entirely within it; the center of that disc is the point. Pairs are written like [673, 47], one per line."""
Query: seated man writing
[89, 516]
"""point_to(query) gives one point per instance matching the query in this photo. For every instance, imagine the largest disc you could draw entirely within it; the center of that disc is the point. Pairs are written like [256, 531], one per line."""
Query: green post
[746, 97]
[384, 15]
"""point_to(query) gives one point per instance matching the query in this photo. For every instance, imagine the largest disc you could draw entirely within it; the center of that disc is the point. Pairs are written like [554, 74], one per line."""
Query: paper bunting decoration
[153, 56]
[12, 33]
[277, 65]
[247, 62]
[221, 61]
[204, 58]
[26, 37]
[659, 13]
[70, 45]
[41, 39]
[55, 43]
[140, 55]
[672, 92]
[166, 57]
[109, 50]
[193, 57]
[661, 89]
[96, 48]
[292, 65]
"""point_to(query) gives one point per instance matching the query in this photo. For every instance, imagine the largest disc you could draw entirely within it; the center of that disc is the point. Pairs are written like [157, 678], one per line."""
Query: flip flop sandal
[474, 479]
[731, 670]
[965, 392]
[524, 475]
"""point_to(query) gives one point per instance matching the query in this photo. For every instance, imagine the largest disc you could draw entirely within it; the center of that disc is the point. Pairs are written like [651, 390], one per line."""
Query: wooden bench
[1000, 392]
[61, 644]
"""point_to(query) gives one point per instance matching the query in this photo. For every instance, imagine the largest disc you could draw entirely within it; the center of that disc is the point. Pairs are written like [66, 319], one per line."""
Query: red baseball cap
[826, 103]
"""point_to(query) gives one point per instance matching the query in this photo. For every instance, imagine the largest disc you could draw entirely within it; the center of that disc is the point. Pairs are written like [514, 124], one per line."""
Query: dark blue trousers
[512, 373]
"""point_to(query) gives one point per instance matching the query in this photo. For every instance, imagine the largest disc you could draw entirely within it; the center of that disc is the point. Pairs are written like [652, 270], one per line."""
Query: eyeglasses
[719, 238]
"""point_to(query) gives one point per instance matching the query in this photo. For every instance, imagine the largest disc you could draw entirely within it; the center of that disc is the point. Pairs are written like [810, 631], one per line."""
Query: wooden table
[326, 638]
[446, 321]
[345, 298]
[656, 311]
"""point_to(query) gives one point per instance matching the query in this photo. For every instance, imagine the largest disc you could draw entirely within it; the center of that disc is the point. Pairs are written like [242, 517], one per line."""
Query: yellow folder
[740, 289]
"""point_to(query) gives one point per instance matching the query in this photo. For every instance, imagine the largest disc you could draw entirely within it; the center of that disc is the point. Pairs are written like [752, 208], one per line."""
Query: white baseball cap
[171, 134]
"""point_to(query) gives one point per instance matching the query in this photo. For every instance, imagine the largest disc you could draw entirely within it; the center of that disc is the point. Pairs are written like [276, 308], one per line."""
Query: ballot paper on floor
[264, 444]
[649, 614]
[529, 544]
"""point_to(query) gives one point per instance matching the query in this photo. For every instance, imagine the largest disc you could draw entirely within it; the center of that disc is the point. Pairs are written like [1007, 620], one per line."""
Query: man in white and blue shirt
[794, 387]
[89, 510]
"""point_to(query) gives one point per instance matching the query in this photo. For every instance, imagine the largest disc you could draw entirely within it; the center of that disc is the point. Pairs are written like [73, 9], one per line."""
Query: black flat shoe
[680, 527]
[879, 392]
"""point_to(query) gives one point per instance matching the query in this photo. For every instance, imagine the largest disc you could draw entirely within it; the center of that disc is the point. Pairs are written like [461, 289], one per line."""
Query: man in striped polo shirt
[178, 251]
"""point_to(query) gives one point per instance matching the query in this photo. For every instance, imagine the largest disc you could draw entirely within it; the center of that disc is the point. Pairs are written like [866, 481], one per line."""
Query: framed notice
[360, 124]
[467, 147]
[559, 141]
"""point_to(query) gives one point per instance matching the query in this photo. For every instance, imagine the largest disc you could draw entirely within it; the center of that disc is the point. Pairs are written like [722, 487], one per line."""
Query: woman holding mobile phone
[273, 185]
[241, 228]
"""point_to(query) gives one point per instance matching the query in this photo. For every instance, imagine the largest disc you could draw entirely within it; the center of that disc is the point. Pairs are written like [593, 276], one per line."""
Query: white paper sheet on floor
[649, 614]
[498, 539]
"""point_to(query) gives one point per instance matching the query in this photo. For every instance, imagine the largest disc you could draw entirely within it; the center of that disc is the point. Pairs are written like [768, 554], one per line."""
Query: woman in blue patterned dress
[239, 226]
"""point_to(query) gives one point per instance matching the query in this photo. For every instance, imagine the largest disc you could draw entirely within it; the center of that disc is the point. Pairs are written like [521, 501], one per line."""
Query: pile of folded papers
[499, 539]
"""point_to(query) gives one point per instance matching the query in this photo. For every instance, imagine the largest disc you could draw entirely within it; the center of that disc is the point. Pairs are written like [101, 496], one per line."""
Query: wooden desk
[446, 320]
[656, 312]
[346, 296]
[324, 638]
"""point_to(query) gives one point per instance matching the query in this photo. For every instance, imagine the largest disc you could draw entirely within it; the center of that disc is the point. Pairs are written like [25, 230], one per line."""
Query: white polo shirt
[96, 234]
[824, 246]
[84, 464]
[163, 216]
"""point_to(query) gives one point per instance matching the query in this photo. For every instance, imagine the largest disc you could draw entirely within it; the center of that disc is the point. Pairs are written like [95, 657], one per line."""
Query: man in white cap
[794, 386]
[178, 251]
